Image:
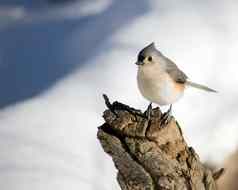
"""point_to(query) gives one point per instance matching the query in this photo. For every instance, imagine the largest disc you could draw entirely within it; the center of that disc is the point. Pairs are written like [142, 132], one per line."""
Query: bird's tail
[200, 86]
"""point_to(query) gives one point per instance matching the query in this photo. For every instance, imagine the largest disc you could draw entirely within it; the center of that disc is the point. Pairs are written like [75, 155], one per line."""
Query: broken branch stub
[149, 156]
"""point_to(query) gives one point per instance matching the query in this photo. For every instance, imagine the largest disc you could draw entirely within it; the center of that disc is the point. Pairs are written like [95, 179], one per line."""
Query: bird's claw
[148, 113]
[166, 117]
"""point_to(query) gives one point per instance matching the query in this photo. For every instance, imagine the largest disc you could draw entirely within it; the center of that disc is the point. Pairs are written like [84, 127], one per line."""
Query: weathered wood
[149, 156]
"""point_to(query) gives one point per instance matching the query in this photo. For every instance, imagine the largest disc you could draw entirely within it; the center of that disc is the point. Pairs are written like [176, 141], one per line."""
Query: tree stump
[150, 156]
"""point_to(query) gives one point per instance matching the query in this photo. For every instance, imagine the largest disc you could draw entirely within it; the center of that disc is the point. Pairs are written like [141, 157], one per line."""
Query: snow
[55, 63]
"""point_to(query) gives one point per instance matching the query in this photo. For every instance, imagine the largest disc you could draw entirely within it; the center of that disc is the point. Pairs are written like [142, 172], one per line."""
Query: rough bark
[149, 156]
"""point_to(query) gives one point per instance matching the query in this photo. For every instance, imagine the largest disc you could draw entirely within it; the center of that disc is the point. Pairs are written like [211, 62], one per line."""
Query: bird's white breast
[157, 86]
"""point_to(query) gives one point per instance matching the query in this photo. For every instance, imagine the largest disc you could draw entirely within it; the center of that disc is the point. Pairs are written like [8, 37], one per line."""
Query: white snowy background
[56, 60]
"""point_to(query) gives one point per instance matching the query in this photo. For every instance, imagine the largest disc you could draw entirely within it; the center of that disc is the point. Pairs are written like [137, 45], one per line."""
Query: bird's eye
[149, 58]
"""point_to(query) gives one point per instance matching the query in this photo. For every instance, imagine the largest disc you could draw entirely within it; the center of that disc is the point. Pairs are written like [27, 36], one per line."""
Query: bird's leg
[166, 117]
[148, 111]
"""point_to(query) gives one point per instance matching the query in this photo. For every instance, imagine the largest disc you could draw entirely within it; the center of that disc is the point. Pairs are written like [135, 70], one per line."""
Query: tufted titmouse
[160, 80]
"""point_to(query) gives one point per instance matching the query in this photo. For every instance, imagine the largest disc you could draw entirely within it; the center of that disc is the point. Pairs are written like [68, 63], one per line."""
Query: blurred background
[57, 57]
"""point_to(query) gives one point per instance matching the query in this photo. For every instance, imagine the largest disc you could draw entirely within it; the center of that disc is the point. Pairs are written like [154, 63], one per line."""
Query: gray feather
[175, 73]
[200, 86]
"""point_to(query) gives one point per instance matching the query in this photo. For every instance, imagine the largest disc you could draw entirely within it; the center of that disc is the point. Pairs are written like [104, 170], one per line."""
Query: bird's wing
[174, 72]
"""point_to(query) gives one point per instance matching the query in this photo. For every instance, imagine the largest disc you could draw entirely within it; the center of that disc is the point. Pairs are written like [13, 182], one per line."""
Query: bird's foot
[166, 117]
[148, 113]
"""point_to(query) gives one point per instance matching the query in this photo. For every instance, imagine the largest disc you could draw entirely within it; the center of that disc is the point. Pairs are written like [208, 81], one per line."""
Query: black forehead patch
[141, 57]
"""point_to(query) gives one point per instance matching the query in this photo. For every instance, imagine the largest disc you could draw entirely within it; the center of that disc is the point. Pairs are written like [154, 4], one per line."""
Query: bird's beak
[139, 63]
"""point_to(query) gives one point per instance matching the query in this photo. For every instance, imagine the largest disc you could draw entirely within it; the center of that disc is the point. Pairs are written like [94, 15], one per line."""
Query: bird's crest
[149, 50]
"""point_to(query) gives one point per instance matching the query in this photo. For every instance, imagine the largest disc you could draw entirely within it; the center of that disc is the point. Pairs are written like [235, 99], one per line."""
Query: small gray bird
[160, 80]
